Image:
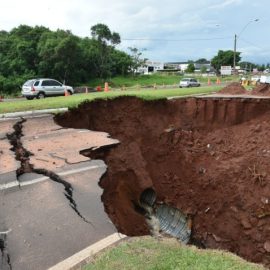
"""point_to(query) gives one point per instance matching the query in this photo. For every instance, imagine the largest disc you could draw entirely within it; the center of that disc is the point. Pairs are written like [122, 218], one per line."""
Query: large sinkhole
[199, 165]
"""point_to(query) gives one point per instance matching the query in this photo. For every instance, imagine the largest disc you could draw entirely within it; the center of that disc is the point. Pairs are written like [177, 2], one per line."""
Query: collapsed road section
[205, 160]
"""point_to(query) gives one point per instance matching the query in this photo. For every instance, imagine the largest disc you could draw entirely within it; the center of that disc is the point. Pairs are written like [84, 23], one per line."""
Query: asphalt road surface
[41, 221]
[44, 229]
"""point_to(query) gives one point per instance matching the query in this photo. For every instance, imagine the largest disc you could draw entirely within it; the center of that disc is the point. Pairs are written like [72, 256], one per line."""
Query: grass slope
[150, 254]
[73, 101]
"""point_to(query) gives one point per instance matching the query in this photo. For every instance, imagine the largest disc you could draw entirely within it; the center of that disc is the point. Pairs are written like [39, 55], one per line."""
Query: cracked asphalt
[37, 219]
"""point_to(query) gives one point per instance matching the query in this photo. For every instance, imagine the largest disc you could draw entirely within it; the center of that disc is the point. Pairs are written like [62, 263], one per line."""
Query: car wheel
[29, 98]
[40, 95]
[69, 92]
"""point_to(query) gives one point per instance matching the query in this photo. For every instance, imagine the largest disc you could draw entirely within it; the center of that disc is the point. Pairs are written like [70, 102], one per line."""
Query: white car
[41, 88]
[189, 82]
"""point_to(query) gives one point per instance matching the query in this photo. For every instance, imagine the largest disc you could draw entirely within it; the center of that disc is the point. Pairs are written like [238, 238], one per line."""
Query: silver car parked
[189, 82]
[41, 88]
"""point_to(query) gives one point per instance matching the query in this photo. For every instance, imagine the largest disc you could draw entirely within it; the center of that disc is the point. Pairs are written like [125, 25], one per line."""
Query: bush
[12, 85]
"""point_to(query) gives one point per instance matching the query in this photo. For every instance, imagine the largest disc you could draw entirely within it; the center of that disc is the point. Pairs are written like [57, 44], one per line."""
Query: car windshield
[29, 83]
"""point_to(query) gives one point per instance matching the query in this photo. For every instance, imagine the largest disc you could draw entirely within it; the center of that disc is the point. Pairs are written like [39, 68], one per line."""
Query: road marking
[9, 185]
[31, 113]
[44, 178]
[83, 256]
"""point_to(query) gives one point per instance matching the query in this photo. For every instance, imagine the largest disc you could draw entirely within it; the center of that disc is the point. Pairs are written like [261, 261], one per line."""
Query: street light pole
[235, 41]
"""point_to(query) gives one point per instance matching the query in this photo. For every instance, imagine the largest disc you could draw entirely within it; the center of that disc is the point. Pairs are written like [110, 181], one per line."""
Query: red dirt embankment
[233, 89]
[209, 158]
[261, 90]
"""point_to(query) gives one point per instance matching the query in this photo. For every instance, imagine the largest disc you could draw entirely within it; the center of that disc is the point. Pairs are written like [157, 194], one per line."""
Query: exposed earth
[208, 158]
[262, 89]
[233, 89]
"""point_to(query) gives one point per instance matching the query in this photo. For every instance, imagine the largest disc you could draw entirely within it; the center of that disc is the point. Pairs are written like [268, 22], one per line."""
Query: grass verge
[73, 101]
[150, 254]
[157, 78]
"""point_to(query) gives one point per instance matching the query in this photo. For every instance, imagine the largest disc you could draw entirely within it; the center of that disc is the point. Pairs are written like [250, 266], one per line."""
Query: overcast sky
[171, 30]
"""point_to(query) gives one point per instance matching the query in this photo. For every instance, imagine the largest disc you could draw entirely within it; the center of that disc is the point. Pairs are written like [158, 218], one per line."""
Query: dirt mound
[233, 89]
[208, 158]
[261, 90]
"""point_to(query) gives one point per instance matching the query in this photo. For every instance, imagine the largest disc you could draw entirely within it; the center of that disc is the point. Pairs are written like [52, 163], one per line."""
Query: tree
[121, 62]
[60, 56]
[248, 66]
[103, 34]
[261, 67]
[225, 58]
[137, 60]
[190, 68]
[105, 41]
[203, 69]
[202, 61]
[30, 52]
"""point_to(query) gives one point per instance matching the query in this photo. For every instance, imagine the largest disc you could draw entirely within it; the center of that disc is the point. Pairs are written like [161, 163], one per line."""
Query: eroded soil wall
[207, 157]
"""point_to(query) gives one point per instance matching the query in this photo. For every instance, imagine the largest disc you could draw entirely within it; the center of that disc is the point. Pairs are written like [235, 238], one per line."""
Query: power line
[175, 40]
[251, 43]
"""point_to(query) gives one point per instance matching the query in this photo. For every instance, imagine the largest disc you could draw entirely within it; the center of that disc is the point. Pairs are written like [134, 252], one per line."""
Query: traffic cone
[209, 82]
[98, 88]
[66, 92]
[106, 87]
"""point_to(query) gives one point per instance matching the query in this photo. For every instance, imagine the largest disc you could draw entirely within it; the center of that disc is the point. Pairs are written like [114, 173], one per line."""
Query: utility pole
[235, 41]
[234, 52]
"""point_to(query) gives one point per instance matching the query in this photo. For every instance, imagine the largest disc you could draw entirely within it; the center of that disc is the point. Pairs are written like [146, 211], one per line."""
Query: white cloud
[175, 19]
[224, 4]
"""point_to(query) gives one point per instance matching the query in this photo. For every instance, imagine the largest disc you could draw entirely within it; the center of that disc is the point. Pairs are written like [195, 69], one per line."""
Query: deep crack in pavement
[23, 155]
[5, 262]
[68, 190]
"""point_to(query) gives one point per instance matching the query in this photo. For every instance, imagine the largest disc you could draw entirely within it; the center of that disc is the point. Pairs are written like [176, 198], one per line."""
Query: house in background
[153, 66]
[176, 65]
[182, 66]
[150, 67]
[207, 66]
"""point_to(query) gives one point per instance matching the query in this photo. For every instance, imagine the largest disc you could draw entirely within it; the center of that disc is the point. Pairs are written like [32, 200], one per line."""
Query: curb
[31, 113]
[192, 95]
[84, 256]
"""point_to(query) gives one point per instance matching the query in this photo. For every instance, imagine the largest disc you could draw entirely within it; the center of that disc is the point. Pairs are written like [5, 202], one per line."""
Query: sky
[166, 31]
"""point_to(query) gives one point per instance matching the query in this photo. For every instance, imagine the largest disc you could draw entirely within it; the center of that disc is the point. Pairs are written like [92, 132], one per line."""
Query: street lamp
[235, 40]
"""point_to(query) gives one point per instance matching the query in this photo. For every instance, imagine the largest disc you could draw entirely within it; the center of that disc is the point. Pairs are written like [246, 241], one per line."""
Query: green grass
[142, 80]
[150, 254]
[150, 80]
[73, 101]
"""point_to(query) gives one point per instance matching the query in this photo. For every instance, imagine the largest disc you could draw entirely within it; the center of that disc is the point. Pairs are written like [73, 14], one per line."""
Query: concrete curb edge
[31, 113]
[82, 257]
